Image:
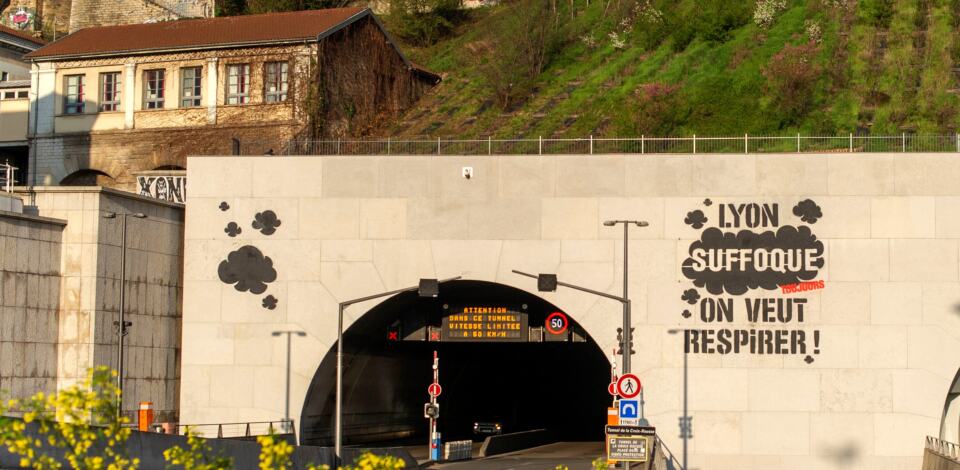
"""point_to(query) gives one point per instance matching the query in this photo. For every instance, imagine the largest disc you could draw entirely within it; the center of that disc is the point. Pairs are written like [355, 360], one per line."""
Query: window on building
[190, 89]
[275, 82]
[9, 95]
[4, 76]
[238, 84]
[153, 89]
[23, 94]
[73, 94]
[110, 91]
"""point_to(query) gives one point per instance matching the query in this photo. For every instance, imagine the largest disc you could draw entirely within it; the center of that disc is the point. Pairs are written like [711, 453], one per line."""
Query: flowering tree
[791, 75]
[81, 421]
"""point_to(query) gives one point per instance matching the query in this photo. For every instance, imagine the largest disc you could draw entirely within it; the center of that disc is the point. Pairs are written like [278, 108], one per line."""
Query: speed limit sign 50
[557, 323]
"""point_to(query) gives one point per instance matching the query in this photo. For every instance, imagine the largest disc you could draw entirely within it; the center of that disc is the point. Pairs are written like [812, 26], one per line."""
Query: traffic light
[431, 410]
[620, 341]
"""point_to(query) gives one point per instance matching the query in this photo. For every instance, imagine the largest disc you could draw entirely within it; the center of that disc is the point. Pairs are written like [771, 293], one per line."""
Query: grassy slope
[584, 91]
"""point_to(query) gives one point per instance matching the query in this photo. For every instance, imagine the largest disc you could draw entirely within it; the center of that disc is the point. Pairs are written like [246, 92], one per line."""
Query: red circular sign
[434, 390]
[612, 388]
[557, 323]
[628, 386]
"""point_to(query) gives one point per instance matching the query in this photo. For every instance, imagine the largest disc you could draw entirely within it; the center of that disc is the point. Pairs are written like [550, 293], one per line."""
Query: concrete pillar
[210, 94]
[129, 95]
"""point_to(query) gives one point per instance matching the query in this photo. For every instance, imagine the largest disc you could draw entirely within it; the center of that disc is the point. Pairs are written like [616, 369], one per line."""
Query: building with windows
[14, 94]
[123, 106]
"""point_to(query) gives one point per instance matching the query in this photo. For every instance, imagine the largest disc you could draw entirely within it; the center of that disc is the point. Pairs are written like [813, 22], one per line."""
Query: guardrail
[943, 448]
[236, 430]
[7, 177]
[694, 144]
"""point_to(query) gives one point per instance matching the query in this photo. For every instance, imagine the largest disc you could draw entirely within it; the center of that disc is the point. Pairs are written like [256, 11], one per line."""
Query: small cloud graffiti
[690, 296]
[695, 219]
[707, 202]
[808, 211]
[266, 222]
[248, 269]
[233, 229]
[224, 206]
[686, 313]
[270, 302]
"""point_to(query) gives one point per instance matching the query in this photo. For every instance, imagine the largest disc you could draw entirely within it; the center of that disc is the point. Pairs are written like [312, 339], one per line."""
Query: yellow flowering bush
[274, 453]
[197, 456]
[76, 421]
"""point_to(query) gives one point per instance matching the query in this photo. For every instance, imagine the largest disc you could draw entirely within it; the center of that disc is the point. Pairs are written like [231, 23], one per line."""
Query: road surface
[575, 455]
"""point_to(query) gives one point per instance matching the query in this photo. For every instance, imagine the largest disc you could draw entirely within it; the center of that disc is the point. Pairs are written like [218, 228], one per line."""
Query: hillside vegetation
[573, 68]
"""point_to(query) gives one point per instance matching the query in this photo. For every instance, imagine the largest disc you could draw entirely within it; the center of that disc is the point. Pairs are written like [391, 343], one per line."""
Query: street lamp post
[122, 323]
[686, 422]
[426, 288]
[286, 406]
[627, 333]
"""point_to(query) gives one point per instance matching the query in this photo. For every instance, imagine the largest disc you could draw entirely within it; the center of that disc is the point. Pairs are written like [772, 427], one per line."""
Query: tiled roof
[204, 33]
[22, 35]
[15, 84]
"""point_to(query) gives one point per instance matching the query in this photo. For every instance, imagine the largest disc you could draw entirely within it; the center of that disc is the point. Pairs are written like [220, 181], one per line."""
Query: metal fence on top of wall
[638, 145]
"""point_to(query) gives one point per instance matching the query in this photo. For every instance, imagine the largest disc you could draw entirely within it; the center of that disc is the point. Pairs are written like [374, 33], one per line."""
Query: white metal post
[694, 144]
[591, 145]
[903, 142]
[438, 146]
[541, 145]
[851, 142]
[388, 146]
[746, 144]
[489, 145]
[798, 142]
[642, 145]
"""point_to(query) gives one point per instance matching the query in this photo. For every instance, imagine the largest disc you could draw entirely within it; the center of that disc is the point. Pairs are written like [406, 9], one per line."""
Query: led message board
[484, 323]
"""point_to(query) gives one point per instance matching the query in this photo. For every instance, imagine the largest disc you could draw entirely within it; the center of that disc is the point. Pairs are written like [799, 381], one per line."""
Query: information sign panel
[629, 443]
[484, 323]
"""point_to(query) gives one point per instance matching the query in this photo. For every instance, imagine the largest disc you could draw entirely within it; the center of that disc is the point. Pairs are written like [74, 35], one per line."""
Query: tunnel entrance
[504, 357]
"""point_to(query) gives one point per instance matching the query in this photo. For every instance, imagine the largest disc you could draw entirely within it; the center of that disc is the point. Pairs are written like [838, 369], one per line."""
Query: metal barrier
[458, 450]
[943, 448]
[7, 177]
[663, 459]
[236, 430]
[694, 144]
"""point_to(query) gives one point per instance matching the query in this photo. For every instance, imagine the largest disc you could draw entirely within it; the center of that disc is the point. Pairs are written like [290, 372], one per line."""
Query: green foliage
[197, 456]
[709, 20]
[423, 22]
[82, 422]
[241, 7]
[878, 12]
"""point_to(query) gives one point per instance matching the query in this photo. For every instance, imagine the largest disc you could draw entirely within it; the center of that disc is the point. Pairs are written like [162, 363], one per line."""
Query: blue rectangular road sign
[629, 409]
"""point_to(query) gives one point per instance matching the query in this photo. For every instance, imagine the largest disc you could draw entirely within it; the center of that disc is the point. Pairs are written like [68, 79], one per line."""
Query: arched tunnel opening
[498, 362]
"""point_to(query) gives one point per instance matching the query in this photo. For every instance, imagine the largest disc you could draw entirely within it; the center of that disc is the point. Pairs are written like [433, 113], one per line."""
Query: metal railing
[230, 430]
[944, 449]
[663, 459]
[7, 177]
[695, 144]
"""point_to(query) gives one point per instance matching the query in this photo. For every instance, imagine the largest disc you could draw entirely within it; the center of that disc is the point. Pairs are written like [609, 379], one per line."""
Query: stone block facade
[861, 389]
[29, 301]
[89, 291]
[90, 13]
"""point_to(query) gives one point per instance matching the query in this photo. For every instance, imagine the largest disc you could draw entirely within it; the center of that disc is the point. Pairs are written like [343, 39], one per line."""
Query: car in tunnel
[486, 428]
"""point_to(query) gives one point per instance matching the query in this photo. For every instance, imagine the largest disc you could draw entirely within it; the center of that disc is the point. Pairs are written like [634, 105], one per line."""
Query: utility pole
[122, 322]
[286, 407]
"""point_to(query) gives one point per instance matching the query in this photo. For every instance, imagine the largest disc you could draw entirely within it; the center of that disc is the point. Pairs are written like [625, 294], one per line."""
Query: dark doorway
[530, 384]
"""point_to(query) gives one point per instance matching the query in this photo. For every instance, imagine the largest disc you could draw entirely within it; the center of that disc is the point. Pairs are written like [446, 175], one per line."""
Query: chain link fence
[744, 144]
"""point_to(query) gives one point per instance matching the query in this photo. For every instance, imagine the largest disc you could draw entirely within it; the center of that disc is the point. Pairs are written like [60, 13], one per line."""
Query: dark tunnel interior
[523, 385]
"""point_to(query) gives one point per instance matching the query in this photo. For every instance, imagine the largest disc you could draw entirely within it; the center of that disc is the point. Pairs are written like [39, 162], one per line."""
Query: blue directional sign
[629, 409]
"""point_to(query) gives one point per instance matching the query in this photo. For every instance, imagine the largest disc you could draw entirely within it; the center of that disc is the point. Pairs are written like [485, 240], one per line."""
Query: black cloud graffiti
[735, 263]
[266, 222]
[248, 269]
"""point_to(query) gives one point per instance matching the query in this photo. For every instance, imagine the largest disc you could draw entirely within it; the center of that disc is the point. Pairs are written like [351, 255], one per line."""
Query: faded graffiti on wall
[167, 188]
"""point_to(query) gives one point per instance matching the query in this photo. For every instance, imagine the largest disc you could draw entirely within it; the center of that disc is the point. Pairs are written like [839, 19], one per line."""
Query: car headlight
[498, 426]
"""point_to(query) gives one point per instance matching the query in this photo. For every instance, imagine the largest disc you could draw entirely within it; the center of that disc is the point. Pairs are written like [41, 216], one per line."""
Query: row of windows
[14, 95]
[275, 84]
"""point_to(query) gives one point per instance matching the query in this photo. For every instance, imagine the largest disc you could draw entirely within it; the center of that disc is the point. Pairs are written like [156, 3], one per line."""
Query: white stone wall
[886, 315]
[29, 297]
[90, 283]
